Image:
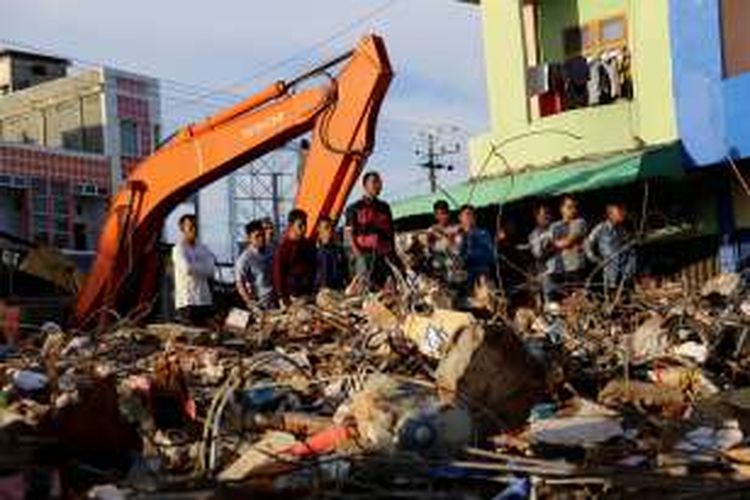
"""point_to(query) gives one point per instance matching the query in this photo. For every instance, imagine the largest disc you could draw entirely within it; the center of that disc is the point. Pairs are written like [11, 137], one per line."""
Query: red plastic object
[322, 443]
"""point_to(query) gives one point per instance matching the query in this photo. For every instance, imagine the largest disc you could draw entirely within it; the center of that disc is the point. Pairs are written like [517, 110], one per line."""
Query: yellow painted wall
[504, 51]
[655, 114]
[648, 120]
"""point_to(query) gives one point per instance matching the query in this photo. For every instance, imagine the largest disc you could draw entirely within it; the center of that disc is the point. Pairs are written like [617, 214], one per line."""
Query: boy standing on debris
[441, 245]
[331, 269]
[193, 268]
[254, 268]
[294, 261]
[540, 240]
[476, 249]
[567, 265]
[610, 246]
[369, 230]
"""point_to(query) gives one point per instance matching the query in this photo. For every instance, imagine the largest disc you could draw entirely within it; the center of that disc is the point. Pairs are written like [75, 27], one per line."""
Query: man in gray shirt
[540, 245]
[253, 269]
[567, 264]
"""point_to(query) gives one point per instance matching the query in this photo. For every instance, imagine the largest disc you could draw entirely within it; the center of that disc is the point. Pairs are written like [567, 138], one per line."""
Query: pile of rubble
[389, 396]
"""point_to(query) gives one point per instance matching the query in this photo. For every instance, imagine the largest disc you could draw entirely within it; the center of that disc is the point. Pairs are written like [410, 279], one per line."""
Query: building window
[735, 15]
[582, 65]
[40, 222]
[129, 138]
[79, 236]
[40, 230]
[580, 39]
[61, 240]
[59, 188]
[157, 136]
[595, 37]
[67, 120]
[39, 70]
[612, 31]
[61, 224]
[60, 204]
[39, 184]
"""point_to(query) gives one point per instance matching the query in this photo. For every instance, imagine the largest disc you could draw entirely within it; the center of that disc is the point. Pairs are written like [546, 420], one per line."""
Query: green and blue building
[664, 121]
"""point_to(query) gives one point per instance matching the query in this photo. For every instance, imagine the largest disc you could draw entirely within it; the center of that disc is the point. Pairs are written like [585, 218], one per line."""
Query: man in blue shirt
[331, 261]
[610, 246]
[476, 249]
[253, 269]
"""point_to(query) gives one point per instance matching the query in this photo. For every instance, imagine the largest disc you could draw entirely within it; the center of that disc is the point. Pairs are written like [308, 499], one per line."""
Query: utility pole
[432, 155]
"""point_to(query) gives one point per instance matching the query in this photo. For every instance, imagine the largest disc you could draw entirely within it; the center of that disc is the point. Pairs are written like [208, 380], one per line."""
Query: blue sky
[435, 46]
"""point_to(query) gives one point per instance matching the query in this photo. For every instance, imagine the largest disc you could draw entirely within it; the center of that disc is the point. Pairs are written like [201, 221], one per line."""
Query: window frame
[136, 138]
[616, 43]
[595, 27]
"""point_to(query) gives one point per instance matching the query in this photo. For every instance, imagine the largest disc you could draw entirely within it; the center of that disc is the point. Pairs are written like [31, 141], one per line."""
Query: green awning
[578, 176]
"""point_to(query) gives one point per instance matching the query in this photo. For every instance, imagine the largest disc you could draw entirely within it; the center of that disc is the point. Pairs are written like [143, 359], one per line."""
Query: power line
[176, 85]
[273, 66]
[169, 90]
[322, 43]
[198, 93]
[192, 95]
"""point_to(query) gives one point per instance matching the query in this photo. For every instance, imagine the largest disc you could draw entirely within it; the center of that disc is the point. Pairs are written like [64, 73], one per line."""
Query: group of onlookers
[463, 254]
[270, 273]
[563, 250]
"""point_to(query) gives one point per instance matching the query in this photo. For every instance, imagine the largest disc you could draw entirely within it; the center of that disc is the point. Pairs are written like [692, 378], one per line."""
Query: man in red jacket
[294, 261]
[369, 229]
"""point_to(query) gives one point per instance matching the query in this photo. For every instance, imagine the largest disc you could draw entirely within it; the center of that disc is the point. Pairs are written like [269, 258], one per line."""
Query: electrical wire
[273, 66]
[171, 91]
[177, 85]
[200, 94]
[494, 152]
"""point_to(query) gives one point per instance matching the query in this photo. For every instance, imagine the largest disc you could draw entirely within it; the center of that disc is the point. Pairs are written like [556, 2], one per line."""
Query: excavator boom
[342, 115]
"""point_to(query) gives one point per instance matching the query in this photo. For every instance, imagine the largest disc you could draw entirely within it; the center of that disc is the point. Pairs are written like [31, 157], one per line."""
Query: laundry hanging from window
[582, 82]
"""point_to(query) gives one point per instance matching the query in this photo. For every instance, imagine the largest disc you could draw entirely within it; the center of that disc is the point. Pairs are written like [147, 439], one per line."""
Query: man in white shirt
[193, 267]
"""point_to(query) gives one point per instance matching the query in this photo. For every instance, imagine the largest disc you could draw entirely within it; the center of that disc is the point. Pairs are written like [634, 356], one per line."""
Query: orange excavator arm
[342, 114]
